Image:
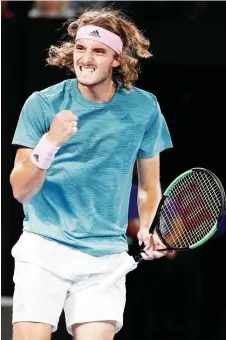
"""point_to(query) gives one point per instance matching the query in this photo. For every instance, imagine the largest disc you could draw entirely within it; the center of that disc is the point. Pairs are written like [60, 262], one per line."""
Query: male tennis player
[77, 144]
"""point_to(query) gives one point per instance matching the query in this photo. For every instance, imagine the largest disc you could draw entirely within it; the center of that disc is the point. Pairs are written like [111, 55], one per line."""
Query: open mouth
[86, 69]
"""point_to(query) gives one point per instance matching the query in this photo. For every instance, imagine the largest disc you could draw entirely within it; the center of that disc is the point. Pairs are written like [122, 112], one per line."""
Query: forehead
[89, 43]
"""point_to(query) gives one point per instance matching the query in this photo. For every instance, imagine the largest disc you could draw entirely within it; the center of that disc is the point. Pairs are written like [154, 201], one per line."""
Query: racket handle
[124, 268]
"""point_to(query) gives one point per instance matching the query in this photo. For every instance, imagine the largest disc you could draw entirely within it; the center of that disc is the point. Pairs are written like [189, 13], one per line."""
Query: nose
[87, 57]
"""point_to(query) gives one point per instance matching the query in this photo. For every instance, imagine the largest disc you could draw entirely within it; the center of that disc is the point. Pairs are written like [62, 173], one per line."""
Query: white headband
[102, 35]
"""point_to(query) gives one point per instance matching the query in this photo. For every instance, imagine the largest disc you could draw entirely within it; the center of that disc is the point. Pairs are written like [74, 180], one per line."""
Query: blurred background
[178, 297]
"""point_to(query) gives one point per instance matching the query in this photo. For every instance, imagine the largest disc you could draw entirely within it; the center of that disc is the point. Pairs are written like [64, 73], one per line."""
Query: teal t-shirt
[85, 197]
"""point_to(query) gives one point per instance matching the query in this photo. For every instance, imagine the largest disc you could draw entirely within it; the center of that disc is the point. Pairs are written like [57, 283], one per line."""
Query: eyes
[97, 51]
[79, 48]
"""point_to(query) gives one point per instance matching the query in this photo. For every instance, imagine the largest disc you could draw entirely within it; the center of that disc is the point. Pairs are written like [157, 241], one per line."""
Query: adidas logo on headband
[101, 35]
[95, 34]
[36, 157]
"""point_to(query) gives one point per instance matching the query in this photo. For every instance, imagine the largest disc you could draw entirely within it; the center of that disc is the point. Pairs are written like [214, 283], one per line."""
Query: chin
[86, 82]
[89, 82]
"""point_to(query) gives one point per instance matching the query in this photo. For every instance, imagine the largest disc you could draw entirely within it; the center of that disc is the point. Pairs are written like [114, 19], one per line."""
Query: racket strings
[201, 213]
[202, 218]
[191, 210]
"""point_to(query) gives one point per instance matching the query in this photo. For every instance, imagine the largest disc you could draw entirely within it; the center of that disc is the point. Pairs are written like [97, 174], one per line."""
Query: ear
[116, 61]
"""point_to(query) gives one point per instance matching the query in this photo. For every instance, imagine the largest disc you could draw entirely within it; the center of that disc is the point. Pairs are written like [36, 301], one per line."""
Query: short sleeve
[31, 125]
[156, 137]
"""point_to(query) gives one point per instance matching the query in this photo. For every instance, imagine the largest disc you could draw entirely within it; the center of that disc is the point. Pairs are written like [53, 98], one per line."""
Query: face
[93, 62]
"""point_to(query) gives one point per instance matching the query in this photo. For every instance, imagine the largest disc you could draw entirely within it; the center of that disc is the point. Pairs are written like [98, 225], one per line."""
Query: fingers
[72, 123]
[151, 255]
[66, 116]
[170, 254]
[63, 127]
[152, 244]
[149, 246]
[72, 128]
[146, 257]
[71, 131]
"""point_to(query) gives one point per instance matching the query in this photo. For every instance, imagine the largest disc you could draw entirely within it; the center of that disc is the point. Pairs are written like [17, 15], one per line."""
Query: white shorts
[50, 277]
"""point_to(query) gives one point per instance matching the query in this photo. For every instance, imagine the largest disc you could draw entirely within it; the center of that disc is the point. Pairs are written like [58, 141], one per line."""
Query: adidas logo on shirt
[95, 34]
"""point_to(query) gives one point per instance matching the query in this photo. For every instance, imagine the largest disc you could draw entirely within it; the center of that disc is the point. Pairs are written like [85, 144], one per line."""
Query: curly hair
[135, 45]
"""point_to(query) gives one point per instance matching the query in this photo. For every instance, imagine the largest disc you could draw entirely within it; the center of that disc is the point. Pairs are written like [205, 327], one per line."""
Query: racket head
[191, 210]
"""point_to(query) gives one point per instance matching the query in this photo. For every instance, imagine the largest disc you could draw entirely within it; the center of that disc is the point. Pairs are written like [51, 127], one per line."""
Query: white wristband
[44, 153]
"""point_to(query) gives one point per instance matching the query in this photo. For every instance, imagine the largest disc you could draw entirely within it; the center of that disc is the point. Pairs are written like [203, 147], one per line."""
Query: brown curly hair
[134, 43]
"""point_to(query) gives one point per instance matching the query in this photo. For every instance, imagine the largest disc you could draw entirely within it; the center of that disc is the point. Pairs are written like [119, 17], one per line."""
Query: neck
[101, 93]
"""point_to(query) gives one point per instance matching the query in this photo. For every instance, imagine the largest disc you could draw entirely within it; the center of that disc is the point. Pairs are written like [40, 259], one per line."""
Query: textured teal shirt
[85, 197]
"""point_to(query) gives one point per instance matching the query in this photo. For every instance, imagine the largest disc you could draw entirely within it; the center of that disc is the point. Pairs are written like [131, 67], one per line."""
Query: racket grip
[124, 268]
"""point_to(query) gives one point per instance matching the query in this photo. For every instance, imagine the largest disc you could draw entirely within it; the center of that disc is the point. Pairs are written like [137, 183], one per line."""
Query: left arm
[149, 195]
[149, 189]
[156, 139]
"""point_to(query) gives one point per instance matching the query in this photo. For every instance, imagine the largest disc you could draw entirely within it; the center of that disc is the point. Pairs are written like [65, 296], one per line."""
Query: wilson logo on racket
[190, 216]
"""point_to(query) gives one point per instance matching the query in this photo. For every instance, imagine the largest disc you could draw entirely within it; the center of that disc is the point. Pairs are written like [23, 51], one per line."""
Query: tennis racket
[189, 213]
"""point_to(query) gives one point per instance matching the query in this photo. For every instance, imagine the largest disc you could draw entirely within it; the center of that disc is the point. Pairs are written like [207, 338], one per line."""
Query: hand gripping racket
[189, 213]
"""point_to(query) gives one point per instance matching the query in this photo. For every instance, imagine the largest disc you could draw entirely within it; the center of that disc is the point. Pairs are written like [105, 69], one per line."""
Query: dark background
[184, 297]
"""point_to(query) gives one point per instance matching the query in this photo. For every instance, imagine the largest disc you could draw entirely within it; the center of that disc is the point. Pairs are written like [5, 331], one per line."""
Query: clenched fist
[63, 127]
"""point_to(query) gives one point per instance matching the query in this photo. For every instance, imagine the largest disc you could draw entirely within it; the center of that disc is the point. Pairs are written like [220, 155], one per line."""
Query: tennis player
[77, 144]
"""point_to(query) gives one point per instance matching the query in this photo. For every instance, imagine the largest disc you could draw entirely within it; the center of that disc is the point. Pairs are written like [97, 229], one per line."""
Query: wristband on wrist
[44, 153]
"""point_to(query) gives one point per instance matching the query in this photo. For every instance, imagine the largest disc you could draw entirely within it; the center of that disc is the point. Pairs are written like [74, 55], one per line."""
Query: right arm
[26, 178]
